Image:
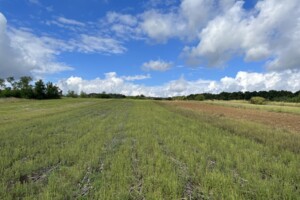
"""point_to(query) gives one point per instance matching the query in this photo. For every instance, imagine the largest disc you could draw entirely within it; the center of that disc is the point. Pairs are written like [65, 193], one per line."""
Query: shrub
[200, 97]
[258, 100]
[72, 94]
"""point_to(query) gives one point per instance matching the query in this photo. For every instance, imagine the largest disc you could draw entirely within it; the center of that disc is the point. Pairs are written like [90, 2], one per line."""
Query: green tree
[24, 82]
[2, 86]
[12, 91]
[83, 94]
[39, 90]
[25, 87]
[199, 97]
[52, 91]
[2, 83]
[72, 94]
[12, 82]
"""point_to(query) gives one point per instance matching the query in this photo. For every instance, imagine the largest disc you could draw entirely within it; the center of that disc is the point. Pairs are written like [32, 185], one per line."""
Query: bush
[199, 97]
[72, 94]
[295, 99]
[258, 100]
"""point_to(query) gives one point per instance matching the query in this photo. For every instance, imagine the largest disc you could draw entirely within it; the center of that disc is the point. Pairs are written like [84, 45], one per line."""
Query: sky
[155, 48]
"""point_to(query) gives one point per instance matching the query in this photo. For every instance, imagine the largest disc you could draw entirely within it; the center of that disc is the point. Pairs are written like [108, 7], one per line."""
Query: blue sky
[156, 48]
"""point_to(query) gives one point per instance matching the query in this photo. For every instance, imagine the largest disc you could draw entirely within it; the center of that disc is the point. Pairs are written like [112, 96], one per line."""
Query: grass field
[132, 149]
[270, 106]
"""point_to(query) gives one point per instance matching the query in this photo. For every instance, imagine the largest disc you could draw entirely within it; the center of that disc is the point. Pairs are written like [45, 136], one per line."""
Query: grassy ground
[270, 106]
[126, 149]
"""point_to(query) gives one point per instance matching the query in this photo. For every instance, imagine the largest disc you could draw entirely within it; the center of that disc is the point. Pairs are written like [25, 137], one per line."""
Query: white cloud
[224, 29]
[23, 53]
[69, 24]
[196, 14]
[243, 81]
[157, 65]
[136, 77]
[64, 20]
[160, 27]
[268, 32]
[177, 86]
[123, 26]
[217, 46]
[110, 84]
[185, 22]
[94, 44]
[87, 41]
[114, 17]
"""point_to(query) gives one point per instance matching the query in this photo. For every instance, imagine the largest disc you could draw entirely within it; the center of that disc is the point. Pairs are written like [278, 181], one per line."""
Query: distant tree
[72, 94]
[141, 96]
[24, 82]
[39, 90]
[13, 90]
[24, 86]
[199, 97]
[83, 94]
[2, 87]
[11, 81]
[2, 83]
[52, 91]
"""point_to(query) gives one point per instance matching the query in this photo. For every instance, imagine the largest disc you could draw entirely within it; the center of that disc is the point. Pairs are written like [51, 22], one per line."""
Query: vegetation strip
[136, 189]
[278, 138]
[130, 149]
[191, 189]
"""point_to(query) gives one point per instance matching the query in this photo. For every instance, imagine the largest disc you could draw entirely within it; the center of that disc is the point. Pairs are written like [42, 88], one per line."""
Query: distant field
[270, 106]
[139, 149]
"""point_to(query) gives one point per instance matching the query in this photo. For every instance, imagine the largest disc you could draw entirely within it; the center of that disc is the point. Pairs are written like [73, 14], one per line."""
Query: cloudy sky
[153, 47]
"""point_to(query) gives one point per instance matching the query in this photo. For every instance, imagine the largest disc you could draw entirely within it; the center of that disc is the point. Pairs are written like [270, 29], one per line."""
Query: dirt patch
[38, 175]
[279, 120]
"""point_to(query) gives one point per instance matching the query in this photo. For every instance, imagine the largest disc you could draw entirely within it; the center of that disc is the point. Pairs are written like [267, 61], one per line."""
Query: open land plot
[272, 106]
[131, 149]
[284, 120]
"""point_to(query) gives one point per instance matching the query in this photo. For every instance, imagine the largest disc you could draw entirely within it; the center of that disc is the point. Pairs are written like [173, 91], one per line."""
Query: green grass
[270, 106]
[126, 149]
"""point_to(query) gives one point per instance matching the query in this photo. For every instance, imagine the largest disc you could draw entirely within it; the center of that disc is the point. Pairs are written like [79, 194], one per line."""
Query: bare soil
[279, 120]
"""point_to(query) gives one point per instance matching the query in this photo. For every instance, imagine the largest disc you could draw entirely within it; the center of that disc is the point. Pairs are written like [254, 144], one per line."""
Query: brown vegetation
[279, 120]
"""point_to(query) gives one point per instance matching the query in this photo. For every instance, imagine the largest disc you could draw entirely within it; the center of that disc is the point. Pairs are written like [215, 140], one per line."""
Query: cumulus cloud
[243, 81]
[110, 84]
[268, 33]
[223, 29]
[123, 26]
[159, 26]
[184, 22]
[23, 53]
[157, 65]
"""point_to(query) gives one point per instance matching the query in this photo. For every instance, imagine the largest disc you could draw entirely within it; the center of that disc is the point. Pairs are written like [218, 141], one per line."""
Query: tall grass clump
[258, 100]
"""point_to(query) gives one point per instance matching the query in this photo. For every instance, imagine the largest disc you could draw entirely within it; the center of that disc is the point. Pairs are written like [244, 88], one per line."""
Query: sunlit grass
[126, 149]
[270, 106]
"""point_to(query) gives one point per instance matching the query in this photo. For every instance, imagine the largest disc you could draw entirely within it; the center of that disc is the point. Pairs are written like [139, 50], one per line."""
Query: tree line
[271, 95]
[22, 88]
[102, 95]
